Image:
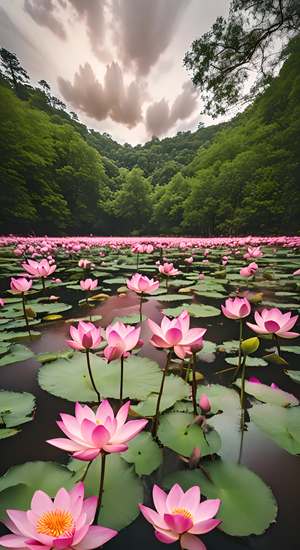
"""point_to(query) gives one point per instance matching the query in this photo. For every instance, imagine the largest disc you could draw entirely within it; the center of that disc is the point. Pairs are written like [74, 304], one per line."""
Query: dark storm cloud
[144, 29]
[160, 117]
[43, 13]
[111, 99]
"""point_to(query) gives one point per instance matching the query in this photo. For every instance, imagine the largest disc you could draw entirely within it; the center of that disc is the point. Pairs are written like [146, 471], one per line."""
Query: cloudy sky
[117, 63]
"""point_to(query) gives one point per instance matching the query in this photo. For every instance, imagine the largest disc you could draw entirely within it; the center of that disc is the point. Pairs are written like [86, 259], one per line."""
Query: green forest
[240, 177]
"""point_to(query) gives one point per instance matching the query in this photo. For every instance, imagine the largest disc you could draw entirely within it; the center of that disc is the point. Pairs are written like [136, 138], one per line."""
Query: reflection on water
[275, 466]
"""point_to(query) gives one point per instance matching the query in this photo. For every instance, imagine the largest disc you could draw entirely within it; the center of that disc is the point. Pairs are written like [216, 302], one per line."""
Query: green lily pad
[12, 335]
[68, 378]
[15, 408]
[129, 319]
[207, 354]
[123, 490]
[17, 353]
[221, 398]
[281, 424]
[178, 432]
[251, 361]
[265, 393]
[294, 375]
[8, 432]
[173, 297]
[88, 319]
[230, 346]
[248, 505]
[175, 389]
[195, 310]
[144, 453]
[291, 349]
[46, 476]
[54, 355]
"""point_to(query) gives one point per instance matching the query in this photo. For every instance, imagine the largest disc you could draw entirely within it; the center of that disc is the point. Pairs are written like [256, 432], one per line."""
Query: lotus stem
[86, 470]
[25, 315]
[194, 385]
[141, 306]
[122, 378]
[101, 486]
[137, 260]
[43, 284]
[91, 375]
[237, 370]
[277, 343]
[156, 417]
[242, 397]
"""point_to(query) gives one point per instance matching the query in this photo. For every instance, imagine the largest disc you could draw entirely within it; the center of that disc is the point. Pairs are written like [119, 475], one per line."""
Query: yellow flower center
[99, 421]
[182, 512]
[55, 523]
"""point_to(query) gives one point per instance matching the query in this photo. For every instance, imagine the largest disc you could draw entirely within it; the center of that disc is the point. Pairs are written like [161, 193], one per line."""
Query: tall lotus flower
[2, 303]
[253, 252]
[64, 522]
[121, 340]
[20, 286]
[88, 284]
[189, 260]
[89, 433]
[180, 516]
[273, 321]
[168, 270]
[142, 285]
[249, 270]
[40, 269]
[84, 264]
[176, 334]
[84, 338]
[236, 308]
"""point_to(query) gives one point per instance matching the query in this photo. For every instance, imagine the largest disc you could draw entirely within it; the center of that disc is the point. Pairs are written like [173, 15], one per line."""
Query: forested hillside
[59, 177]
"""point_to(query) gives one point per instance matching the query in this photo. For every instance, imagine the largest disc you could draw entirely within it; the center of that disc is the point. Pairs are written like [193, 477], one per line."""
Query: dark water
[275, 466]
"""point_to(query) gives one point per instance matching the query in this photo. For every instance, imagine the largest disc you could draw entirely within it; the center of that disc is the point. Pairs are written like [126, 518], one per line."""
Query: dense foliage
[59, 177]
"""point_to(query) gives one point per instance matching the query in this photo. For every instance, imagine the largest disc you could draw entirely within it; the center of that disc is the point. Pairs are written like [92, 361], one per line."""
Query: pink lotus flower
[297, 272]
[273, 321]
[39, 269]
[2, 303]
[88, 284]
[84, 264]
[204, 403]
[142, 284]
[253, 252]
[236, 308]
[91, 433]
[201, 276]
[86, 336]
[176, 334]
[20, 285]
[65, 522]
[189, 260]
[168, 270]
[121, 340]
[180, 516]
[249, 270]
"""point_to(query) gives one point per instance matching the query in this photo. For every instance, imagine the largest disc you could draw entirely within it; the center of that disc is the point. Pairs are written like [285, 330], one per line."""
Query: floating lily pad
[251, 361]
[207, 354]
[195, 310]
[173, 298]
[69, 378]
[294, 375]
[144, 453]
[281, 424]
[88, 319]
[265, 393]
[221, 398]
[248, 506]
[178, 432]
[11, 335]
[291, 349]
[54, 355]
[123, 490]
[15, 409]
[175, 389]
[129, 319]
[46, 476]
[17, 353]
[229, 346]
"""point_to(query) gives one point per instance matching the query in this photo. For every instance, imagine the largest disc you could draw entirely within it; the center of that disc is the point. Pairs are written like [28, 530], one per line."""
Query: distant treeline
[59, 177]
